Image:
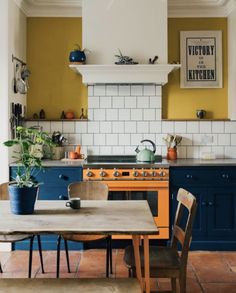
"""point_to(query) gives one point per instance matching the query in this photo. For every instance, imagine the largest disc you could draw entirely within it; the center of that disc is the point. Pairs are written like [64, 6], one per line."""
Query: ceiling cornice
[176, 8]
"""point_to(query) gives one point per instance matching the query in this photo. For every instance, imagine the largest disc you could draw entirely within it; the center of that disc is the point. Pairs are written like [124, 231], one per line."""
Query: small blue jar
[77, 56]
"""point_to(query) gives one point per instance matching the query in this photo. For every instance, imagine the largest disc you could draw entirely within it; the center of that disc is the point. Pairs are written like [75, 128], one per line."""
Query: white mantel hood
[125, 74]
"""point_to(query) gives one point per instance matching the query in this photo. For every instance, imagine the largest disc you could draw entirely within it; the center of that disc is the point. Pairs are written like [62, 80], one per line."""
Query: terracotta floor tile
[219, 287]
[230, 257]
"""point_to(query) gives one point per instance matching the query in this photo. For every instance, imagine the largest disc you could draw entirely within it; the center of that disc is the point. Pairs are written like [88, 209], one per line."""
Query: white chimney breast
[137, 27]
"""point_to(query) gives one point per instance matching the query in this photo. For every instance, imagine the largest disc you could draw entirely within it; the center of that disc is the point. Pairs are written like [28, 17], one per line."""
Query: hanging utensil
[16, 67]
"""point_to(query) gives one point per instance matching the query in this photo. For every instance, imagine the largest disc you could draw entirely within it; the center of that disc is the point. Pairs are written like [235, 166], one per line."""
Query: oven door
[155, 192]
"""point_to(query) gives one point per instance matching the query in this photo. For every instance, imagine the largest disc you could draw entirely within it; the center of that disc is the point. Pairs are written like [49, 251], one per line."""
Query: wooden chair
[166, 262]
[86, 191]
[15, 238]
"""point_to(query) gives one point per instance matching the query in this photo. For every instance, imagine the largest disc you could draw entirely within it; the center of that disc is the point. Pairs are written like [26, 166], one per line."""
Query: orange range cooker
[131, 180]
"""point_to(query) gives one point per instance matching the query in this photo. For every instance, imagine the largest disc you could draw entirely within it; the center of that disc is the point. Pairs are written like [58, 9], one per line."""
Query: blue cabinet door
[222, 213]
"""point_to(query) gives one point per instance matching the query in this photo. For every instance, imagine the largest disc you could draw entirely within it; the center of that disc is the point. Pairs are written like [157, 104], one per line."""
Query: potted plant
[23, 190]
[57, 149]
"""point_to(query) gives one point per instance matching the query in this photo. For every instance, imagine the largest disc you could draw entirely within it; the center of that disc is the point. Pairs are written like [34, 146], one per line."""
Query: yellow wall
[53, 86]
[182, 103]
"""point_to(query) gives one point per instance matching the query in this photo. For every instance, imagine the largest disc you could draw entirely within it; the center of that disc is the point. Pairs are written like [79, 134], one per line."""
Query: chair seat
[160, 257]
[83, 238]
[14, 238]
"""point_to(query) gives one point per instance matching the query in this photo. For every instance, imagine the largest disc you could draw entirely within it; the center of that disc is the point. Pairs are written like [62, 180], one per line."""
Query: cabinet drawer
[59, 176]
[194, 176]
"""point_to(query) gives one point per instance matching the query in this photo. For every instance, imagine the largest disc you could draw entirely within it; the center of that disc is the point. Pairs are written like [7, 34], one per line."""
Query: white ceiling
[177, 8]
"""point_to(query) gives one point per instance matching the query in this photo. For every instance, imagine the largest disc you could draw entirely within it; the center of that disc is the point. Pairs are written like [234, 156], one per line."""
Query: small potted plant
[171, 142]
[23, 190]
[57, 149]
[78, 55]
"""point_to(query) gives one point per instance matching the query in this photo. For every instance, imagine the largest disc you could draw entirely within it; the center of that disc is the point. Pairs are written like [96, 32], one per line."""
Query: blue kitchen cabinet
[55, 181]
[215, 190]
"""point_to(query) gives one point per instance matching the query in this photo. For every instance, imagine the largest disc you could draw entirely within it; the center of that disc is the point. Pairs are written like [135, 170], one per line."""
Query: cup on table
[73, 203]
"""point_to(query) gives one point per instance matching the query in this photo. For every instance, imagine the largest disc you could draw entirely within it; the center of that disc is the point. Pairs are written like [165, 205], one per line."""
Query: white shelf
[125, 74]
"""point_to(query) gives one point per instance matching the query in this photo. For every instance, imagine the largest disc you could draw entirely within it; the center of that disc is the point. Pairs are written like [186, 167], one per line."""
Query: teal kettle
[146, 155]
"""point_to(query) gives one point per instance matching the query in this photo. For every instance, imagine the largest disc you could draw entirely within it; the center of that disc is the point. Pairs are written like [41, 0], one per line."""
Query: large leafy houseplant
[28, 157]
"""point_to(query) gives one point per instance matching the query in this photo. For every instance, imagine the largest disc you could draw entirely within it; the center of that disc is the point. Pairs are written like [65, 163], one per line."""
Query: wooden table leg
[146, 264]
[136, 239]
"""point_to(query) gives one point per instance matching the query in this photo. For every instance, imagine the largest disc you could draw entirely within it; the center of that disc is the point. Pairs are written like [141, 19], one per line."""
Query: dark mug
[200, 114]
[74, 203]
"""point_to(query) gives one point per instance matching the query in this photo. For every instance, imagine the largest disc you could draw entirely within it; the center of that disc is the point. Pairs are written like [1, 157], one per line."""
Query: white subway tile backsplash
[99, 114]
[81, 127]
[149, 114]
[230, 152]
[124, 139]
[45, 125]
[233, 139]
[218, 127]
[155, 126]
[118, 150]
[112, 90]
[158, 114]
[142, 127]
[205, 127]
[87, 139]
[136, 138]
[105, 150]
[111, 139]
[131, 102]
[68, 127]
[192, 152]
[93, 127]
[149, 90]
[56, 126]
[180, 127]
[105, 102]
[224, 139]
[168, 127]
[99, 90]
[111, 114]
[142, 102]
[193, 127]
[136, 90]
[118, 102]
[124, 114]
[155, 102]
[105, 127]
[99, 139]
[124, 90]
[137, 114]
[93, 102]
[90, 90]
[130, 127]
[118, 127]
[120, 116]
[230, 127]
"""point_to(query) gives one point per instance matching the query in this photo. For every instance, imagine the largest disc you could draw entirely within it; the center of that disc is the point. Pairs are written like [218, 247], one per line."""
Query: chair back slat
[4, 191]
[88, 190]
[184, 236]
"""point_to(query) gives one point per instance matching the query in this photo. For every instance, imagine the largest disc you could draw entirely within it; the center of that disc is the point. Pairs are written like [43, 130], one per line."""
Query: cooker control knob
[89, 173]
[153, 173]
[102, 173]
[144, 173]
[162, 174]
[135, 173]
[116, 174]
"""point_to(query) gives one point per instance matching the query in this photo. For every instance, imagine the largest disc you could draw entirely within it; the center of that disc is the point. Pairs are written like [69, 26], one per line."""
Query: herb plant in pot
[23, 190]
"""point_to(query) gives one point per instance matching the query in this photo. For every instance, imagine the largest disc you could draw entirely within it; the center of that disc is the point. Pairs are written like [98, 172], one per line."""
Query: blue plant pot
[77, 56]
[22, 199]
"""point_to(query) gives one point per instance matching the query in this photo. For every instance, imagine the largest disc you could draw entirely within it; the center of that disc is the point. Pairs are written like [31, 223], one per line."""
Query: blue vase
[22, 199]
[77, 56]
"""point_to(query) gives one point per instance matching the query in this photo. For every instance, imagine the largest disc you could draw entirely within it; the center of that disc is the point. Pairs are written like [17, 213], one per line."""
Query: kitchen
[125, 106]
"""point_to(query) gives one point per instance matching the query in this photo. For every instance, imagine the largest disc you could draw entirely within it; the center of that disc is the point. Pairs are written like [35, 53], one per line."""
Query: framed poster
[201, 59]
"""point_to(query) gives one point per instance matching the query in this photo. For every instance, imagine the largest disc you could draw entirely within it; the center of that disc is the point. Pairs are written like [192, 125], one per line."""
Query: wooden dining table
[94, 217]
